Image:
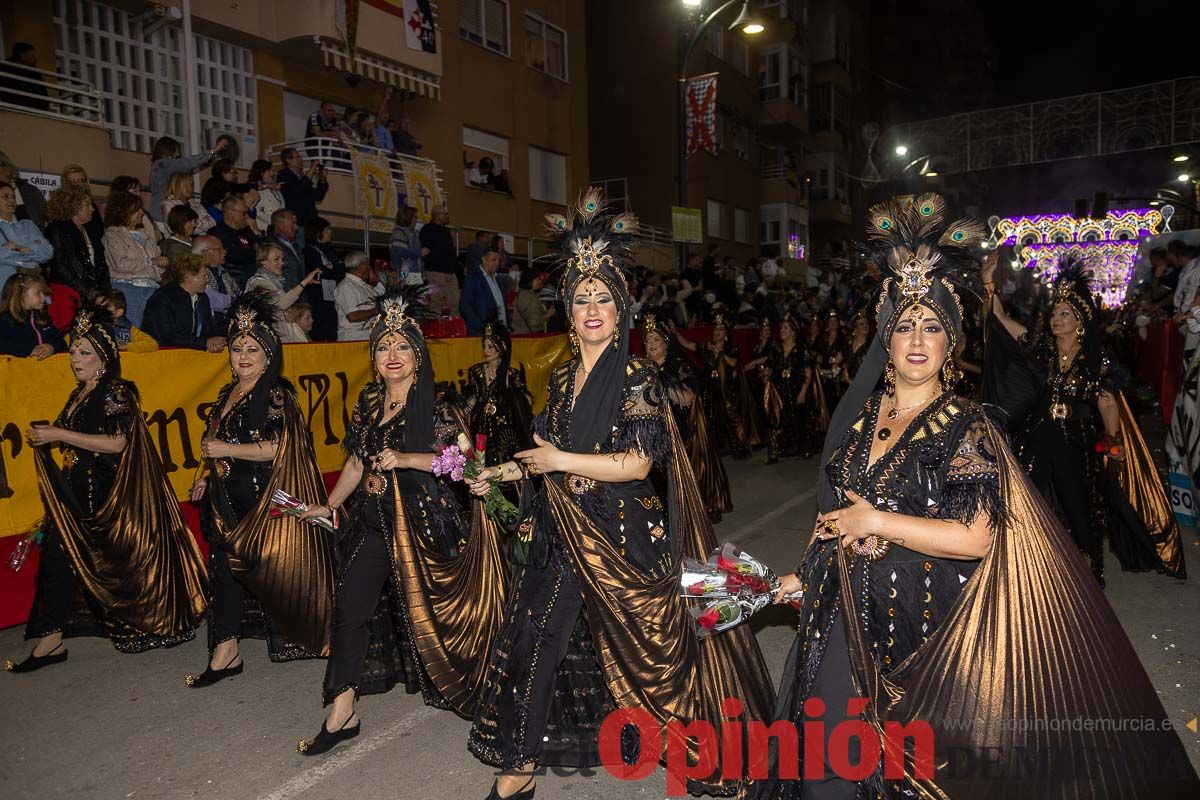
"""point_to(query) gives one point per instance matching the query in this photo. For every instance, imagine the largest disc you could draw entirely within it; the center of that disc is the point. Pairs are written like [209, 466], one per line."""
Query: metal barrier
[335, 154]
[65, 96]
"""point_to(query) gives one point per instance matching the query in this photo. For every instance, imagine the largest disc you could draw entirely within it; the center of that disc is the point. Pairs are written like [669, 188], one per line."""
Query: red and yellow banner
[179, 386]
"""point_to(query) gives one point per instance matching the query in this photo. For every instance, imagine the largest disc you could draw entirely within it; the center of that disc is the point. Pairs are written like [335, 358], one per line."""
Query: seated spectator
[223, 182]
[182, 192]
[481, 297]
[320, 255]
[221, 287]
[238, 239]
[131, 185]
[297, 324]
[167, 161]
[23, 245]
[20, 77]
[283, 233]
[181, 222]
[491, 180]
[178, 314]
[404, 246]
[78, 257]
[403, 140]
[30, 203]
[355, 298]
[135, 263]
[269, 278]
[129, 337]
[25, 328]
[302, 189]
[530, 314]
[73, 173]
[263, 178]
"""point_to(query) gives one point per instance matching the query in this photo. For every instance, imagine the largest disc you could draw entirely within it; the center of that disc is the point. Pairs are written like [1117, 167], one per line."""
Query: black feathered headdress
[1073, 286]
[924, 260]
[95, 324]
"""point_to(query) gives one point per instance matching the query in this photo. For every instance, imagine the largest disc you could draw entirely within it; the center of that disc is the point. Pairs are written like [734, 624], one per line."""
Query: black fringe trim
[963, 500]
[646, 436]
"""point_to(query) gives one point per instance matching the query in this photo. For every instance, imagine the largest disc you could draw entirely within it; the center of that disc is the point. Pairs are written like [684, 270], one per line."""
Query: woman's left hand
[389, 459]
[40, 435]
[854, 522]
[215, 448]
[543, 458]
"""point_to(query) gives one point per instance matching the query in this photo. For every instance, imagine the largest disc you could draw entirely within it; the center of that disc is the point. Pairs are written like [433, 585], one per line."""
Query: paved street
[110, 726]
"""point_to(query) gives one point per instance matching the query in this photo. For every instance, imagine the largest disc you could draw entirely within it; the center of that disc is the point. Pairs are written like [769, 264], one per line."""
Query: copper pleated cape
[288, 565]
[1031, 644]
[1143, 488]
[455, 603]
[707, 468]
[645, 639]
[135, 556]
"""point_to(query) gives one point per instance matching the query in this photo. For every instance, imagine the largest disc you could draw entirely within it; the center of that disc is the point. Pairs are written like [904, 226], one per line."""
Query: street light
[1180, 158]
[745, 20]
[901, 150]
[1184, 178]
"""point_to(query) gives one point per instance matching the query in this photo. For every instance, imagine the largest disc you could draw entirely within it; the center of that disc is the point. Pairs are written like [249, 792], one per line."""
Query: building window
[831, 108]
[741, 56]
[720, 131]
[741, 225]
[547, 176]
[545, 47]
[784, 231]
[485, 22]
[480, 145]
[141, 78]
[741, 142]
[715, 218]
[714, 41]
[782, 73]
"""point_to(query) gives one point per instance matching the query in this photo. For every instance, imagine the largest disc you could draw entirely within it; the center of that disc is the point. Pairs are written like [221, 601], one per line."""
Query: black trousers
[1062, 469]
[357, 598]
[834, 686]
[56, 588]
[229, 597]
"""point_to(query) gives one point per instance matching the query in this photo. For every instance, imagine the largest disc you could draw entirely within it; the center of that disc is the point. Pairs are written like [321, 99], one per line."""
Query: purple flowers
[451, 461]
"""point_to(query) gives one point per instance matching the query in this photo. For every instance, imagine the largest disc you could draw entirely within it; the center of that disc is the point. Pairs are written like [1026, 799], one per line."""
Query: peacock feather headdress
[593, 243]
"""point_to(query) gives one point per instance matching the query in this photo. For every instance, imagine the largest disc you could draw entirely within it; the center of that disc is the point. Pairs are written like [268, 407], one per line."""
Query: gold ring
[831, 527]
[532, 469]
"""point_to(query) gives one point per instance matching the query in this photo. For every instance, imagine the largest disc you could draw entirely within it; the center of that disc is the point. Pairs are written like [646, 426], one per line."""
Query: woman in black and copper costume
[113, 536]
[934, 556]
[497, 401]
[681, 385]
[1074, 432]
[402, 541]
[595, 621]
[788, 396]
[732, 417]
[272, 575]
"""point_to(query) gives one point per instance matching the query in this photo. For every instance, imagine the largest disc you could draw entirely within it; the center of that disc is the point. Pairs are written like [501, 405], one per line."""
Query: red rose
[480, 442]
[709, 619]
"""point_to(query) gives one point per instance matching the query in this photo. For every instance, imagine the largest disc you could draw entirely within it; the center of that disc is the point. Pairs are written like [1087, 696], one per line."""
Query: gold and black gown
[594, 621]
[983, 651]
[1056, 425]
[692, 423]
[272, 576]
[831, 359]
[502, 413]
[418, 600]
[117, 559]
[726, 396]
[782, 400]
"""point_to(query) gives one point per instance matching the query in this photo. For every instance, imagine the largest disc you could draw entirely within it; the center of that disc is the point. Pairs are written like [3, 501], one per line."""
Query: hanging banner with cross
[700, 99]
[420, 178]
[374, 189]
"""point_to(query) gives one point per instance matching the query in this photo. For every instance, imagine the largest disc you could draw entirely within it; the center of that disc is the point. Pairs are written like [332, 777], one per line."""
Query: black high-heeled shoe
[37, 662]
[524, 793]
[327, 740]
[211, 676]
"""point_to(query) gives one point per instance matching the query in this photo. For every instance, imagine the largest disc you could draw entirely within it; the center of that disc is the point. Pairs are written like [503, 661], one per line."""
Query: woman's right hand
[161, 261]
[788, 584]
[42, 351]
[482, 483]
[198, 488]
[989, 266]
[318, 511]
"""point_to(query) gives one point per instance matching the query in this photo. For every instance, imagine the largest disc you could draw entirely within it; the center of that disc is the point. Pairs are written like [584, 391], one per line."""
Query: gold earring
[889, 379]
[1079, 330]
[950, 373]
[574, 338]
[616, 336]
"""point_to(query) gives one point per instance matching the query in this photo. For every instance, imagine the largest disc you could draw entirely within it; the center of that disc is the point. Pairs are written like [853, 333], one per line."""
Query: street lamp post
[687, 43]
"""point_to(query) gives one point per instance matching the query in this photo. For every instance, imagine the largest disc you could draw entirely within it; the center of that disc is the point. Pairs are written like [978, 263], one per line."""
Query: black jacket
[168, 318]
[18, 337]
[240, 250]
[71, 265]
[300, 196]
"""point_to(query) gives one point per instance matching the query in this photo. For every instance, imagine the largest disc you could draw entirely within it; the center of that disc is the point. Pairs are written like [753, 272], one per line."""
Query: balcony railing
[336, 157]
[50, 94]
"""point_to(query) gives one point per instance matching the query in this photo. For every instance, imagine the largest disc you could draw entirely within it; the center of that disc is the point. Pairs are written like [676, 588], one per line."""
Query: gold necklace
[885, 432]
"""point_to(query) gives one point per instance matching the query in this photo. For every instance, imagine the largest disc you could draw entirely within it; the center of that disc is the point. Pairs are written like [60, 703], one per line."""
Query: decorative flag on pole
[700, 98]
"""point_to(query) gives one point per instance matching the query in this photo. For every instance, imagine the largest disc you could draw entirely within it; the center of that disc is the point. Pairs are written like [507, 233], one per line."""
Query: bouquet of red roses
[460, 460]
[733, 585]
